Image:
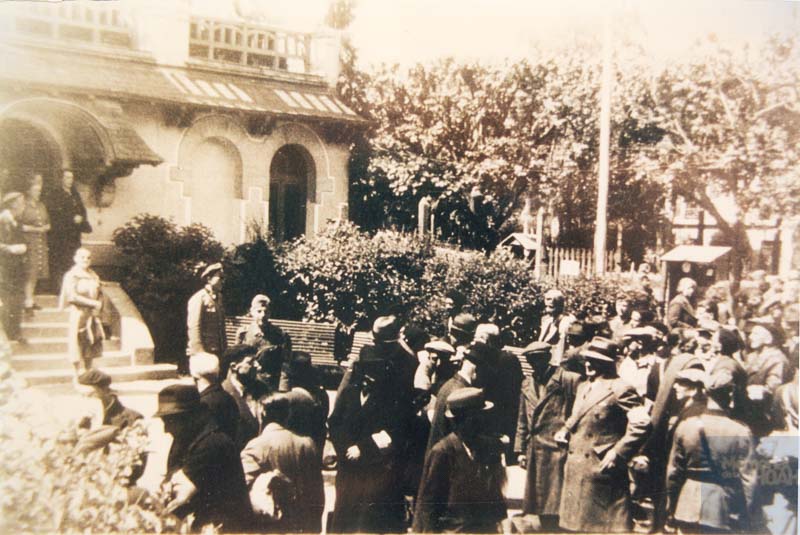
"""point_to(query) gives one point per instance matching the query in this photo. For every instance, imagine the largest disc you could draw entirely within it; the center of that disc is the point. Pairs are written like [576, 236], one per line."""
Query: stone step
[40, 329]
[48, 314]
[55, 344]
[55, 361]
[119, 374]
[46, 300]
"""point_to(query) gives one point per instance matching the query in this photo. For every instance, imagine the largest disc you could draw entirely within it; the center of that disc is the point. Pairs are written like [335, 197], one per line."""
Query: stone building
[160, 109]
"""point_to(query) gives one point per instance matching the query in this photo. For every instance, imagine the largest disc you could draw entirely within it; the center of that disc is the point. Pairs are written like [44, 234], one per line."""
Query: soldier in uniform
[271, 344]
[545, 403]
[711, 477]
[205, 319]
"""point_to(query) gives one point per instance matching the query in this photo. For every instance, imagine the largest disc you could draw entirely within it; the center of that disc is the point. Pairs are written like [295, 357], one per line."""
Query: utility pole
[605, 138]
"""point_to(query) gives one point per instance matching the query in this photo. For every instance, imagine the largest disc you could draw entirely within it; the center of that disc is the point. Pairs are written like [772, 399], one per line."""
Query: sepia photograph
[399, 266]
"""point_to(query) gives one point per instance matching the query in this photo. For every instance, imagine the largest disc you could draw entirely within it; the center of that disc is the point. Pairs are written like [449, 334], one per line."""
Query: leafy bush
[159, 260]
[48, 486]
[344, 274]
[252, 268]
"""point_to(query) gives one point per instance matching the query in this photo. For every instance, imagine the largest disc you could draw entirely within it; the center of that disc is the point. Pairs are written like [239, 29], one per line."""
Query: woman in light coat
[82, 293]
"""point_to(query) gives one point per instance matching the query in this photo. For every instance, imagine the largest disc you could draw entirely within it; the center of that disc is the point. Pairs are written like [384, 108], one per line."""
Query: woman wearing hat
[607, 425]
[461, 489]
[205, 318]
[82, 293]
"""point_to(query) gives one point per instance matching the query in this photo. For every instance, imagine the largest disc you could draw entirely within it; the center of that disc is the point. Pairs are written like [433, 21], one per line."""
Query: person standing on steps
[68, 221]
[13, 260]
[82, 294]
[35, 225]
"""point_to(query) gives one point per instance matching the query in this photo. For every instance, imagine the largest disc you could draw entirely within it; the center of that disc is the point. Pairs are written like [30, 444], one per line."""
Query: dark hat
[94, 377]
[177, 399]
[415, 337]
[457, 297]
[300, 365]
[371, 363]
[386, 329]
[730, 342]
[464, 323]
[601, 349]
[210, 270]
[478, 353]
[537, 349]
[467, 400]
[10, 197]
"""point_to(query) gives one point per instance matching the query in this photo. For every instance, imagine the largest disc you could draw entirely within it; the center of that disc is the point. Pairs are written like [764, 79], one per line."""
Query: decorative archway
[292, 188]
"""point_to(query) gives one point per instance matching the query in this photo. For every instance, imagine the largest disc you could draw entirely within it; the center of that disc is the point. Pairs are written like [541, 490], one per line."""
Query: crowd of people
[684, 421]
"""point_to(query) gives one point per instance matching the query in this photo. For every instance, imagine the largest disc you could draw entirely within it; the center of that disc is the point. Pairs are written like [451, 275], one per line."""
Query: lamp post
[605, 137]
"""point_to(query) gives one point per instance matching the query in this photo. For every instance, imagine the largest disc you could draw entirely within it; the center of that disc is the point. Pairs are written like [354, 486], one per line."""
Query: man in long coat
[463, 476]
[68, 221]
[13, 262]
[607, 425]
[545, 403]
[366, 428]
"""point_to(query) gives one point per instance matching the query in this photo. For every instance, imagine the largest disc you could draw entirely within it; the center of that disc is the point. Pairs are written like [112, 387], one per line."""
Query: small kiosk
[706, 264]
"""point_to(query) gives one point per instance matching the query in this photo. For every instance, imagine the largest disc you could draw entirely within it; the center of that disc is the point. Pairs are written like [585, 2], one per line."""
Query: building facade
[159, 109]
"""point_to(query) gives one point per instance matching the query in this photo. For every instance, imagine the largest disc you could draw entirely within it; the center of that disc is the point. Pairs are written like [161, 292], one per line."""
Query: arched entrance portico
[292, 180]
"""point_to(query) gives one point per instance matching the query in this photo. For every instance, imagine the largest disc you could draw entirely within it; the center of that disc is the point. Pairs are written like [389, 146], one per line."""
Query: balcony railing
[249, 45]
[98, 23]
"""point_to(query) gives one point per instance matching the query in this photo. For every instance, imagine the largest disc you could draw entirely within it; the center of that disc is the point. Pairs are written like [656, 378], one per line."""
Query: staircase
[43, 361]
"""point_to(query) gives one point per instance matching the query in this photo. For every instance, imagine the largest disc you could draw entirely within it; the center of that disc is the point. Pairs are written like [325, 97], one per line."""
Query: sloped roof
[701, 254]
[142, 79]
[527, 241]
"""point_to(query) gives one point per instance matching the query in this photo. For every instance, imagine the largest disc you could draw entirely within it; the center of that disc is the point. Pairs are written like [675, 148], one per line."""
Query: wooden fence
[566, 262]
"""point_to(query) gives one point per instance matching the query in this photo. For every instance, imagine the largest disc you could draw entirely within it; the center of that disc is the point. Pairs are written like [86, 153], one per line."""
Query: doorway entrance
[291, 180]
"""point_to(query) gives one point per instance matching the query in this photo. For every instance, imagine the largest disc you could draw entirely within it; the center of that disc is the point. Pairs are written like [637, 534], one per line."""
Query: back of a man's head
[205, 366]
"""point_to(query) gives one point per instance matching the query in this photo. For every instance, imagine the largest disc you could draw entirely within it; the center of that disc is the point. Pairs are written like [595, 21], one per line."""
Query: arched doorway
[291, 182]
[27, 149]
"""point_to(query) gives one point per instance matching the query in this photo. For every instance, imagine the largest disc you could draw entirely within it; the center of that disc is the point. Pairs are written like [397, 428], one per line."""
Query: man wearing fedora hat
[204, 470]
[546, 400]
[474, 367]
[461, 489]
[205, 317]
[13, 262]
[367, 432]
[607, 425]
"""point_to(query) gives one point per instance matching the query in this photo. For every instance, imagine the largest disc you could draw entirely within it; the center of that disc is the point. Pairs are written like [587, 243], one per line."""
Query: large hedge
[341, 275]
[158, 268]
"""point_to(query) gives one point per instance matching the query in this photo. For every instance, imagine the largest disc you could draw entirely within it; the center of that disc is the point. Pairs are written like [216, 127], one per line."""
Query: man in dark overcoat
[367, 434]
[545, 403]
[204, 369]
[13, 265]
[463, 477]
[473, 366]
[606, 427]
[204, 469]
[68, 220]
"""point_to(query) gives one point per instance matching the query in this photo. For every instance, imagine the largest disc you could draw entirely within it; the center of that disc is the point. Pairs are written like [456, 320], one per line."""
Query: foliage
[252, 268]
[343, 274]
[158, 264]
[48, 486]
[731, 127]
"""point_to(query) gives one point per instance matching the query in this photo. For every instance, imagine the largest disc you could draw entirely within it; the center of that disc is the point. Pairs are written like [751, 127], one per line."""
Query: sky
[411, 31]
